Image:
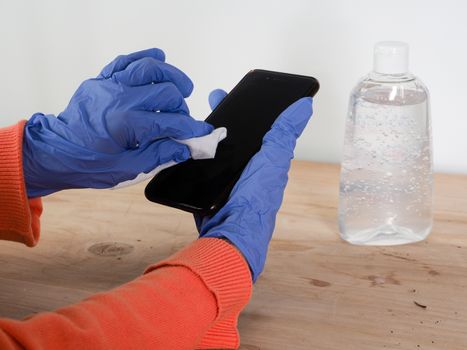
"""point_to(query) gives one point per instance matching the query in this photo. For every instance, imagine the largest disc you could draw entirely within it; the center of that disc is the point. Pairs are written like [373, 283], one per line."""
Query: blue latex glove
[248, 218]
[115, 127]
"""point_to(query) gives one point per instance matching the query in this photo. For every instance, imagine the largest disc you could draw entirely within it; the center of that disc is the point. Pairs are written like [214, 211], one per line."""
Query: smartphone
[248, 112]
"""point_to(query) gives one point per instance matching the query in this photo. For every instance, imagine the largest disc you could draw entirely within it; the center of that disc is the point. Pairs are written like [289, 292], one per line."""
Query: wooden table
[317, 292]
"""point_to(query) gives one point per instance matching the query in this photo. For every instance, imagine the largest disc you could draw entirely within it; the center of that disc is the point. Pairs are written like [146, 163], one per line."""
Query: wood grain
[317, 292]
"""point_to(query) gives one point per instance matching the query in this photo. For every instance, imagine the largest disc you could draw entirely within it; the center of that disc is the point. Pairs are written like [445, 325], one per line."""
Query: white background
[49, 47]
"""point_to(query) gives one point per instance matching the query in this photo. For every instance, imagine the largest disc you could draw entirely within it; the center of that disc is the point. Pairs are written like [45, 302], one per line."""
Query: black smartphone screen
[248, 112]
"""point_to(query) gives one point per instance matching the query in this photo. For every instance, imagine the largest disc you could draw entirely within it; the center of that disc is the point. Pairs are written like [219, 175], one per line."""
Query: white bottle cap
[391, 57]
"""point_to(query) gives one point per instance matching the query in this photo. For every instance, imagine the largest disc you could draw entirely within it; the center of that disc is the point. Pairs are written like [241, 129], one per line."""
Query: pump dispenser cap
[391, 57]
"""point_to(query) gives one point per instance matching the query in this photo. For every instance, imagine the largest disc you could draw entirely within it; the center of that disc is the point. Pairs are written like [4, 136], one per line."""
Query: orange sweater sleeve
[19, 217]
[191, 300]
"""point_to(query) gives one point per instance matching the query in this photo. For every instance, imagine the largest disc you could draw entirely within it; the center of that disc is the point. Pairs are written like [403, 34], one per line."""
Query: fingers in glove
[276, 152]
[163, 97]
[159, 152]
[122, 61]
[149, 70]
[215, 97]
[149, 126]
[290, 125]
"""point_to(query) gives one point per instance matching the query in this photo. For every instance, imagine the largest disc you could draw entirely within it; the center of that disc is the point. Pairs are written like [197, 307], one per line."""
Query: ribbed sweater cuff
[227, 275]
[19, 217]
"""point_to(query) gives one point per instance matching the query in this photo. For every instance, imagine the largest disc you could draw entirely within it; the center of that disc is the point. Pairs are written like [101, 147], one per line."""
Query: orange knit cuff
[19, 216]
[227, 275]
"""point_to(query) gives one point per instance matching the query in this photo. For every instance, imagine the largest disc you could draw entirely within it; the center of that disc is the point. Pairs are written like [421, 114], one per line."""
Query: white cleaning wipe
[203, 147]
[144, 176]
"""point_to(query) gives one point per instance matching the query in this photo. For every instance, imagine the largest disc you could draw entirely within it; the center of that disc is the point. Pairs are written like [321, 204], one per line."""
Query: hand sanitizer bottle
[386, 181]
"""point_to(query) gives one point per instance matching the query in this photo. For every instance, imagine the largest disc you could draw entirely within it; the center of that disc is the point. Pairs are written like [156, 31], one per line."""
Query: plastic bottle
[386, 179]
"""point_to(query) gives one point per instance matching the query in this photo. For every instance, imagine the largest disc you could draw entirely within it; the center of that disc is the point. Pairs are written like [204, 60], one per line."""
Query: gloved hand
[116, 126]
[248, 218]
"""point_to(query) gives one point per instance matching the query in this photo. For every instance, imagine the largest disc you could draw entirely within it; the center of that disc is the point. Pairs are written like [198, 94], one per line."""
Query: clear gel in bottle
[386, 181]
